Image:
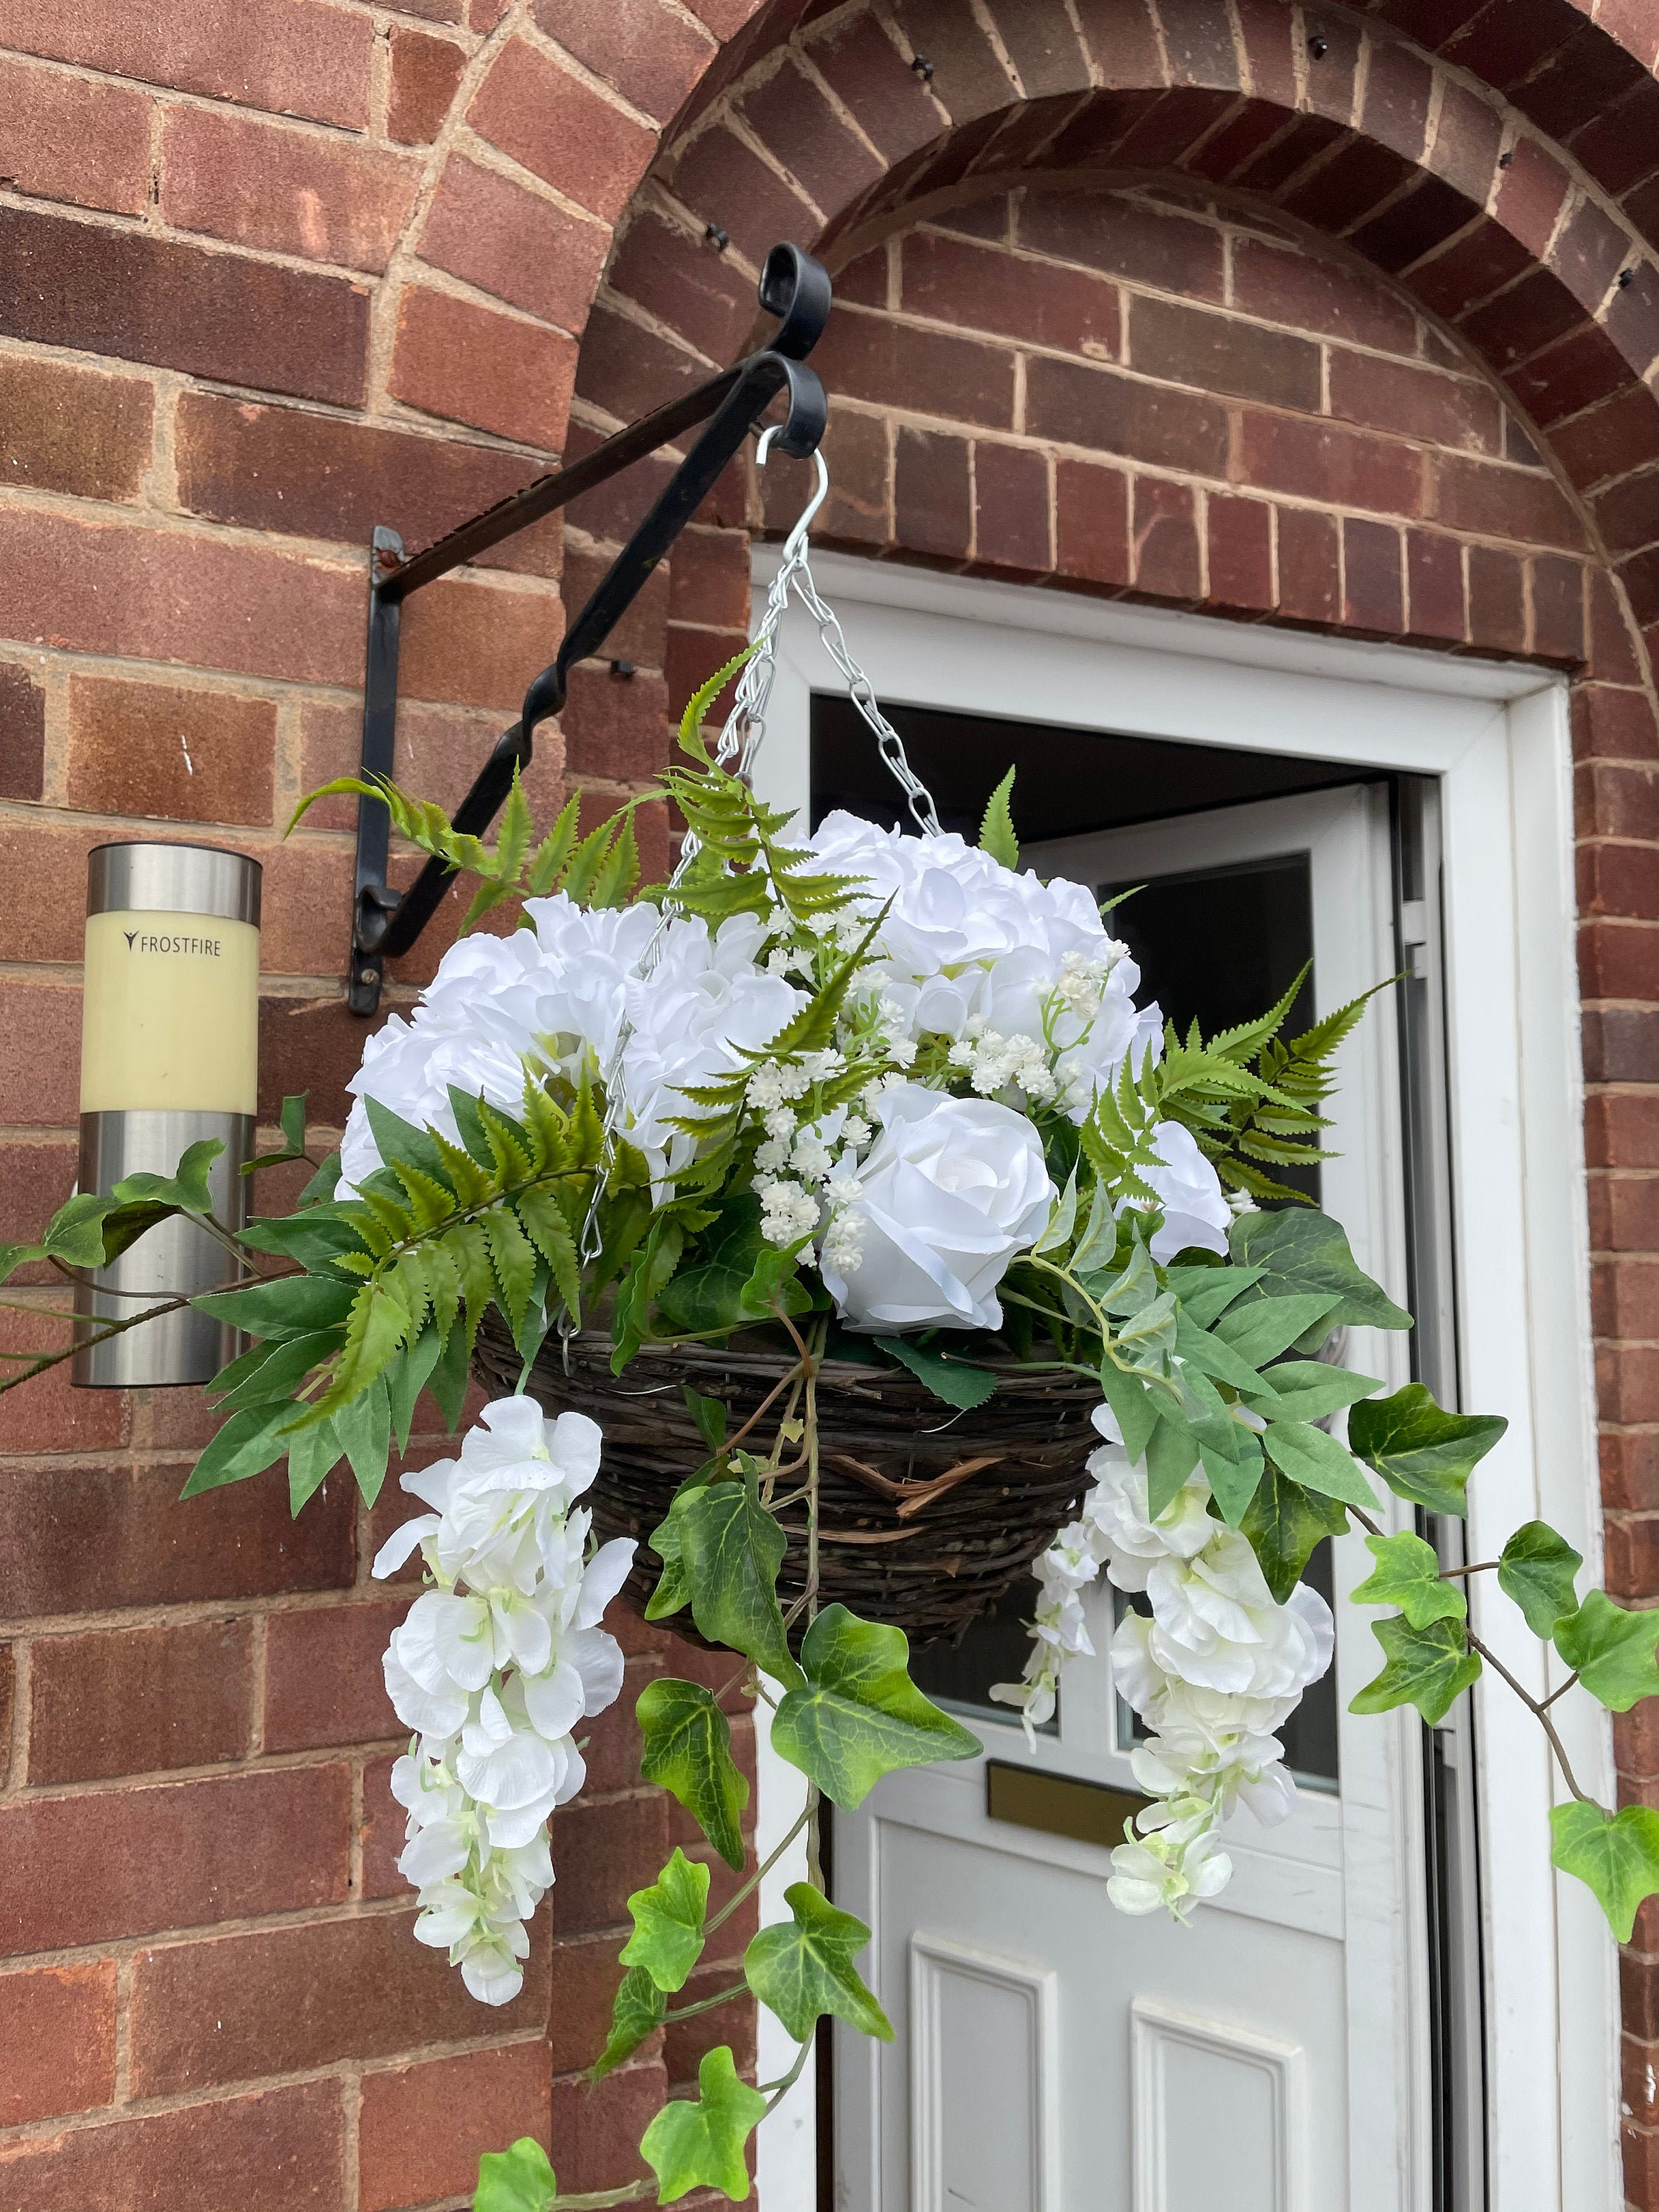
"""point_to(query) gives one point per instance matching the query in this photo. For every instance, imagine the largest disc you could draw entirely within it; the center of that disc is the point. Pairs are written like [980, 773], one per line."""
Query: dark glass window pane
[959, 1675]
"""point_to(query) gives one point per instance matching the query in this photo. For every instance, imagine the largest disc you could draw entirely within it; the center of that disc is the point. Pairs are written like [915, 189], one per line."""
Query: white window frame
[1496, 735]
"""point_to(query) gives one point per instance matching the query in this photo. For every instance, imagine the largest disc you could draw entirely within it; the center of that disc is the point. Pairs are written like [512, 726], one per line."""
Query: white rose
[953, 1189]
[1195, 1208]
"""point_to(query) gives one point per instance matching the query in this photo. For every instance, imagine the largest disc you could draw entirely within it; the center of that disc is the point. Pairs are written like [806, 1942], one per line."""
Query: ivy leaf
[1315, 1459]
[516, 2180]
[688, 1751]
[186, 1188]
[639, 2011]
[1309, 1390]
[708, 1414]
[1422, 1452]
[953, 1380]
[1302, 1253]
[1284, 1522]
[731, 1549]
[701, 2146]
[860, 1715]
[1611, 1651]
[668, 1934]
[1427, 1667]
[1408, 1574]
[707, 1294]
[996, 835]
[1616, 1855]
[1537, 1569]
[806, 1970]
[1205, 1293]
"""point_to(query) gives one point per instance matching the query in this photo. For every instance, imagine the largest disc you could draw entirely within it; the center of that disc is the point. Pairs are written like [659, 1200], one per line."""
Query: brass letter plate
[1088, 1812]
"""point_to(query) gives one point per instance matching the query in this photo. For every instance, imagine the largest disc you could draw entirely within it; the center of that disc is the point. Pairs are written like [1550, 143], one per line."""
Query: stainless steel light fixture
[169, 1054]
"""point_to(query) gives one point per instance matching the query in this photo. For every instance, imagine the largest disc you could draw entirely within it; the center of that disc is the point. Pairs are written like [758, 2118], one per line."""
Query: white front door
[1051, 2053]
[1203, 2065]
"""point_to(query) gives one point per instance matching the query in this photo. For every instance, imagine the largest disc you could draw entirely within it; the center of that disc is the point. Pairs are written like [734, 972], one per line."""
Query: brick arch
[1433, 180]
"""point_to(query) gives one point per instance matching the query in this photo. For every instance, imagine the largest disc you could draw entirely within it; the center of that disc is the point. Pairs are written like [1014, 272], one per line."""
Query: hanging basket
[925, 1517]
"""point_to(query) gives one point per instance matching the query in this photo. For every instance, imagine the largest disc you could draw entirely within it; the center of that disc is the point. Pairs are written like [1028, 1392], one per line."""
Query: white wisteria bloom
[493, 1668]
[1214, 1671]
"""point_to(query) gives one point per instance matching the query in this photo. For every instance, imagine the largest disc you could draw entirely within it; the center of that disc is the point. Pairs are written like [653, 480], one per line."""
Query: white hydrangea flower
[493, 1668]
[1214, 1671]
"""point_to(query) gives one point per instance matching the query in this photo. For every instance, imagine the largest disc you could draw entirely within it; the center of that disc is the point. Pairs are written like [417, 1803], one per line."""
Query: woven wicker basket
[925, 1517]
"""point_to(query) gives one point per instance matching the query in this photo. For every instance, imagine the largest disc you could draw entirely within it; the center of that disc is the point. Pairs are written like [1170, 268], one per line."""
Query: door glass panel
[958, 1676]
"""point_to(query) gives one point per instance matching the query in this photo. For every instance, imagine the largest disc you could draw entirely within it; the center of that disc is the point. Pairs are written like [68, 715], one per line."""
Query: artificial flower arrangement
[877, 1105]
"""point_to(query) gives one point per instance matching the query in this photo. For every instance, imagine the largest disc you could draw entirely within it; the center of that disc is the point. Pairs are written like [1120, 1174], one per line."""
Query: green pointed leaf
[668, 1932]
[75, 1234]
[1284, 1522]
[1610, 1650]
[731, 1549]
[13, 1256]
[954, 1381]
[363, 1426]
[248, 1444]
[313, 1455]
[291, 1305]
[1309, 1390]
[1062, 1219]
[860, 1715]
[1408, 1574]
[637, 2013]
[996, 835]
[276, 1369]
[1537, 1569]
[1259, 1328]
[1315, 1459]
[292, 1118]
[1427, 1667]
[1214, 1357]
[1134, 1408]
[805, 1971]
[450, 1378]
[708, 1414]
[707, 1292]
[1171, 1455]
[1207, 1292]
[1616, 1855]
[1422, 1452]
[688, 1752]
[701, 2146]
[399, 1141]
[1302, 1253]
[406, 1378]
[516, 2180]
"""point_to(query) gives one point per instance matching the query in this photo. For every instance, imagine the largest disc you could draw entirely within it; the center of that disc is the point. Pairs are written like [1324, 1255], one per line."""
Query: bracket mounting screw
[714, 236]
[923, 68]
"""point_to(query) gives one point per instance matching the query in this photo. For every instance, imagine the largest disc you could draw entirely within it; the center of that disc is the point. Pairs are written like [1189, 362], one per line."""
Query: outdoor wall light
[169, 1054]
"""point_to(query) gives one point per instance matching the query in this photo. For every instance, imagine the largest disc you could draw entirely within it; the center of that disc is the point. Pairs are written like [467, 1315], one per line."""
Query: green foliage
[602, 871]
[1317, 1460]
[1309, 1390]
[806, 1970]
[292, 1122]
[516, 2180]
[688, 1751]
[90, 1231]
[1616, 1855]
[639, 2011]
[1284, 1522]
[859, 1716]
[953, 1380]
[700, 2145]
[1408, 1574]
[731, 1549]
[1306, 1255]
[1610, 1650]
[707, 1295]
[1538, 1569]
[1422, 1452]
[668, 1932]
[1427, 1667]
[996, 835]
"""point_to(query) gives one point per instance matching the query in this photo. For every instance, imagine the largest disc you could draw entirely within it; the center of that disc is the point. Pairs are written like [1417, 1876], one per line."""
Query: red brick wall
[273, 273]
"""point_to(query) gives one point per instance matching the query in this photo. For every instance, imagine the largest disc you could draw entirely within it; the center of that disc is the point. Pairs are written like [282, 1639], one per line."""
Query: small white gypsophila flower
[793, 1081]
[842, 1247]
[1239, 1203]
[764, 1088]
[771, 1157]
[901, 1051]
[811, 1158]
[787, 1211]
[492, 1668]
[777, 960]
[1214, 1672]
[825, 1066]
[781, 1121]
[854, 1133]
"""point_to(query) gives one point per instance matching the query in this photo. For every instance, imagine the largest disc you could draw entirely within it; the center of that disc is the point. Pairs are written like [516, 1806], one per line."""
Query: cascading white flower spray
[492, 1668]
[1214, 1671]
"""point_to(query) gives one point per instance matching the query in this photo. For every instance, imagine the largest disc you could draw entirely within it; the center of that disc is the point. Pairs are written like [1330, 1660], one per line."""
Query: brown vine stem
[119, 1327]
[593, 2200]
[1534, 1706]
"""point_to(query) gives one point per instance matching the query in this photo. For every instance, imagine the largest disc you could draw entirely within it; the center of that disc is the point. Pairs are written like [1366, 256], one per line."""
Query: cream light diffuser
[169, 1054]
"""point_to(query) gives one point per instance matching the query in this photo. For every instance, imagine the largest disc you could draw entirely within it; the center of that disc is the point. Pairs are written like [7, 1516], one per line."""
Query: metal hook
[796, 538]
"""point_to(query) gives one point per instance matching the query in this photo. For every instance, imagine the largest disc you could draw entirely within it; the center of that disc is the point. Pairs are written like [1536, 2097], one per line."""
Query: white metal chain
[738, 744]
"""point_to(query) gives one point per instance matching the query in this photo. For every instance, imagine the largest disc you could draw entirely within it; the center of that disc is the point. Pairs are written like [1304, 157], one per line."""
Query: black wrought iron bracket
[794, 288]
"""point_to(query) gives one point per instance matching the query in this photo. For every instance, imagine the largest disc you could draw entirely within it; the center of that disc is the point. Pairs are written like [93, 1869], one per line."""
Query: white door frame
[1496, 735]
